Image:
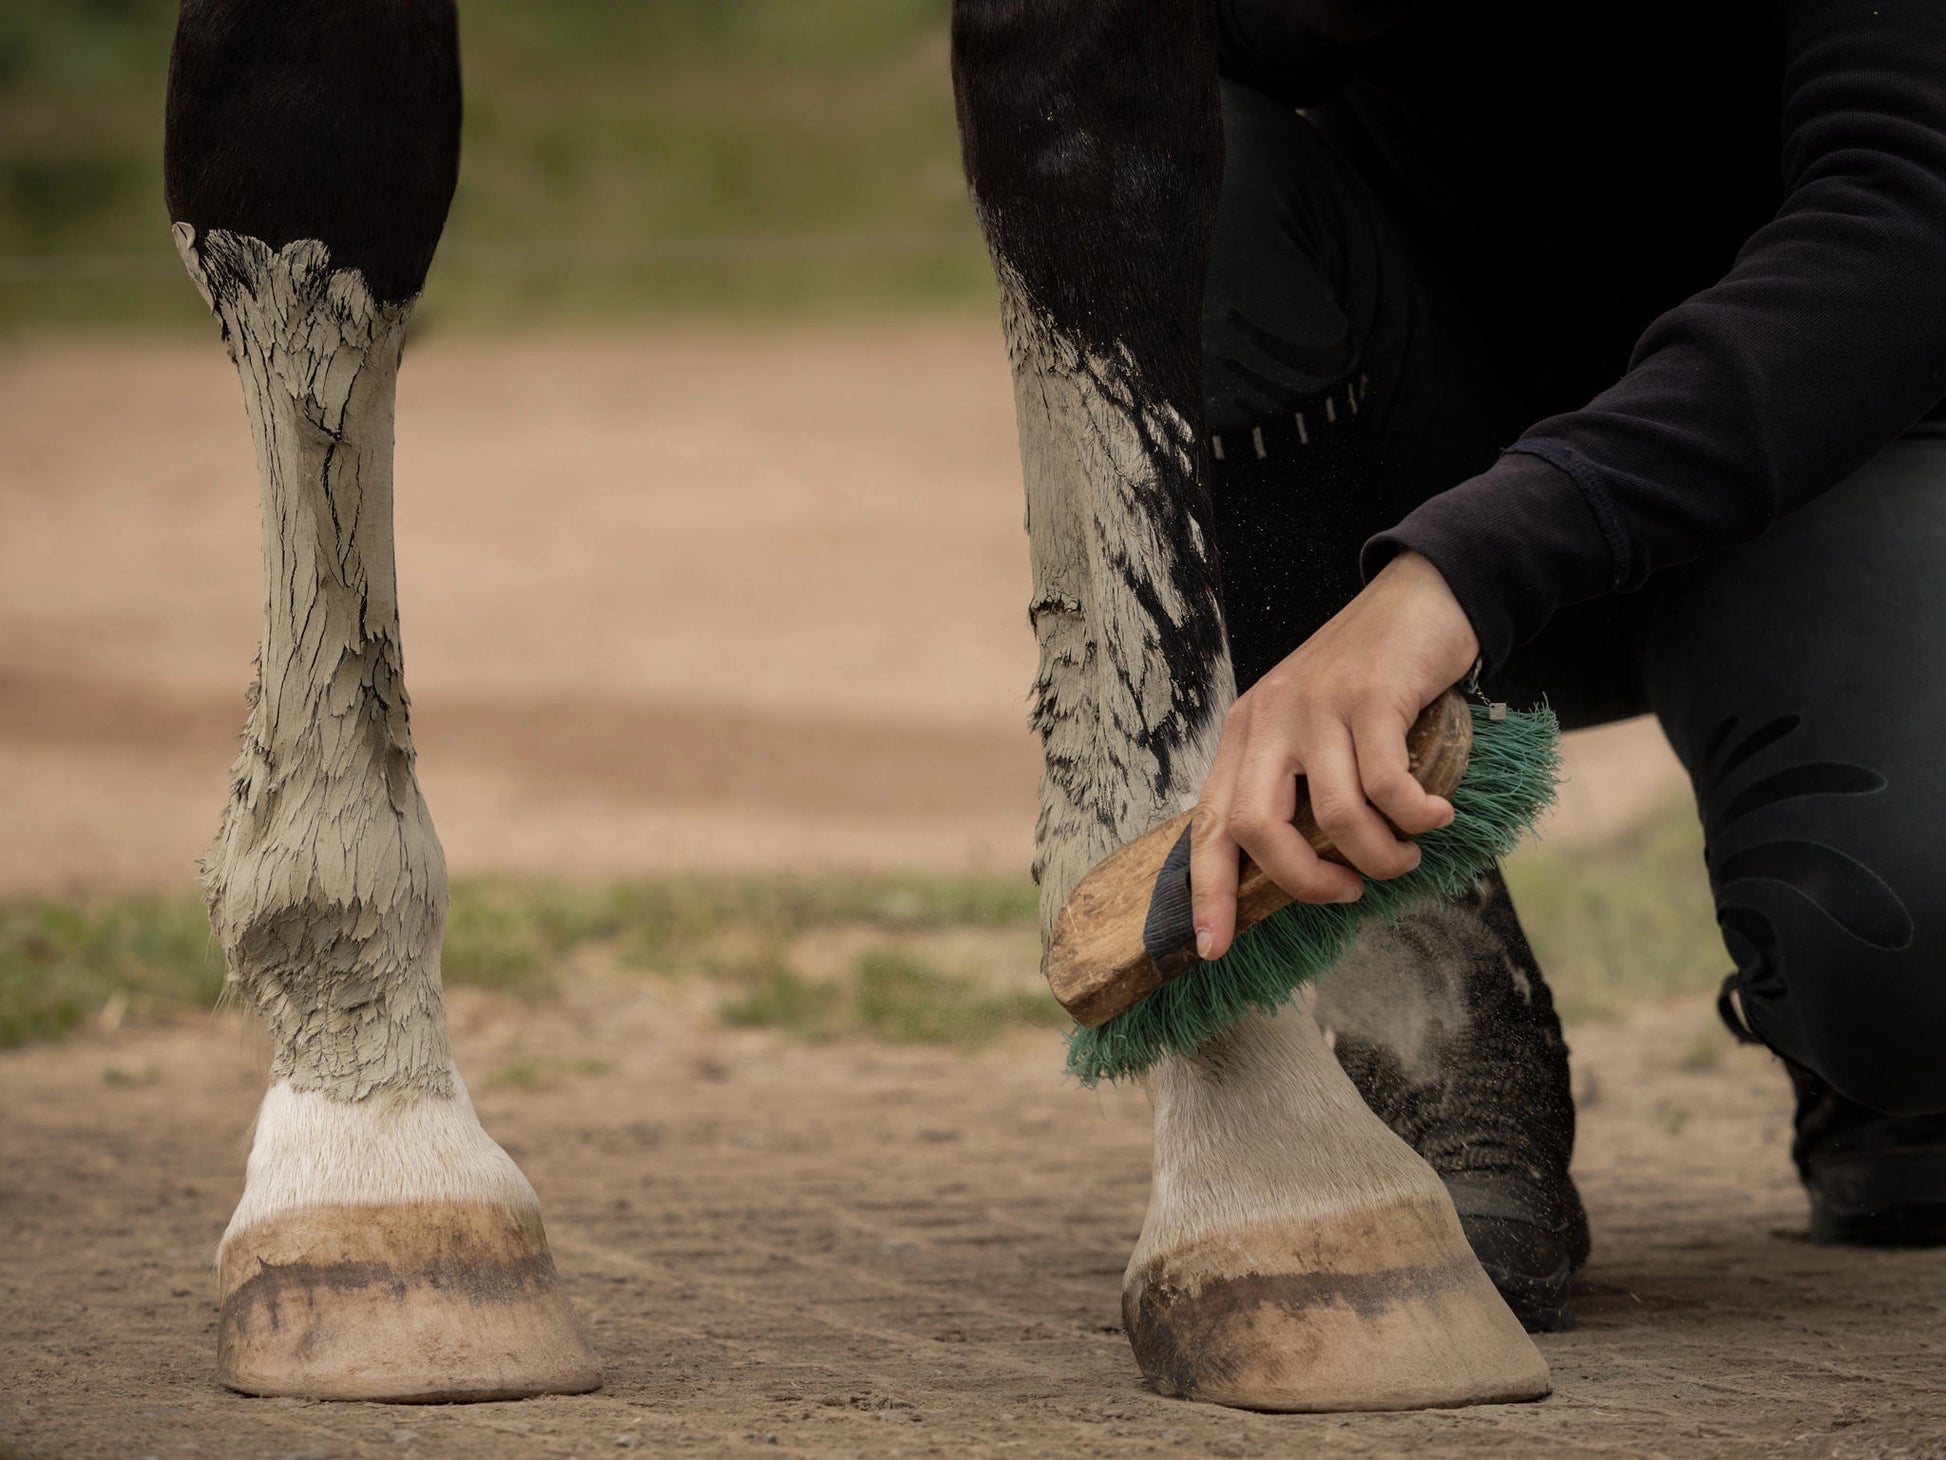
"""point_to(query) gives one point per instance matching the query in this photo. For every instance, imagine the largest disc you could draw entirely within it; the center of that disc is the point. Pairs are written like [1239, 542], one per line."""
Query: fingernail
[1352, 896]
[1203, 940]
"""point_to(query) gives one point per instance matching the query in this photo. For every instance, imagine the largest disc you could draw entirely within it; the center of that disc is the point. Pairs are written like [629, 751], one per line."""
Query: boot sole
[1543, 1304]
[1901, 1227]
[1891, 1201]
[1532, 1262]
[1513, 1254]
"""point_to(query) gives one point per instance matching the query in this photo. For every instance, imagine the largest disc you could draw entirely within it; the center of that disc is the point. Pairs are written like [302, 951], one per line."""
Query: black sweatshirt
[1704, 243]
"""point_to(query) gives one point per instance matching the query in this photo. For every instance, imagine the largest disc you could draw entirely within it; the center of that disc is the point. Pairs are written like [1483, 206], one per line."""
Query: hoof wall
[419, 1303]
[1386, 1310]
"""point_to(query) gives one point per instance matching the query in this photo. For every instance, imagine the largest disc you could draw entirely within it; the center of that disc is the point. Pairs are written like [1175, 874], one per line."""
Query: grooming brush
[1122, 956]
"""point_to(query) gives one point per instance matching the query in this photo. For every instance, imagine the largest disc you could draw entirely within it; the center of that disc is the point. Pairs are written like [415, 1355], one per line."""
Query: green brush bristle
[1509, 781]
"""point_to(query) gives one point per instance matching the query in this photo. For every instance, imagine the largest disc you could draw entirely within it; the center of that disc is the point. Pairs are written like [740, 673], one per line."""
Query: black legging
[1795, 675]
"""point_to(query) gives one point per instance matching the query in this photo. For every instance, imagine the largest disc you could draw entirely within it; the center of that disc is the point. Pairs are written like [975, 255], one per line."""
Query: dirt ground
[857, 1250]
[748, 601]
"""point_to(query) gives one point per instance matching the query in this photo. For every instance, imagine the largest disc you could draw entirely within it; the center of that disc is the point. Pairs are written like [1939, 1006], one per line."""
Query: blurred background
[711, 564]
[624, 159]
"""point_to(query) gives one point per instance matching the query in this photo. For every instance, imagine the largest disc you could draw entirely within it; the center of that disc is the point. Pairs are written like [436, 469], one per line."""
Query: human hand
[1335, 712]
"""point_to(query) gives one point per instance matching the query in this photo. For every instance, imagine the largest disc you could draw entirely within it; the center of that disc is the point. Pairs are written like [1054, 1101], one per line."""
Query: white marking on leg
[326, 885]
[1127, 738]
[395, 1147]
[1262, 1127]
[377, 1214]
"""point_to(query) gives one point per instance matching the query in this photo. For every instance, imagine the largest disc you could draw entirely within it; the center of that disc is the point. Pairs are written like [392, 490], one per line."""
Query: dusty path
[692, 599]
[868, 1251]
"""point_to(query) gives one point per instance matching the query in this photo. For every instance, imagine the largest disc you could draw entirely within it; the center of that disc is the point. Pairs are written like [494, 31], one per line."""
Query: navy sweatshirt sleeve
[1824, 342]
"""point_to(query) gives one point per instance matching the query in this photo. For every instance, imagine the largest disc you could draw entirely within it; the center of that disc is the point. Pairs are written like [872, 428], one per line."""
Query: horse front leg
[1296, 1254]
[384, 1247]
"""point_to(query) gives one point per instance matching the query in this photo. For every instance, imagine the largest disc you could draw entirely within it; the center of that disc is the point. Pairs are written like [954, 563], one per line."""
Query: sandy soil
[697, 599]
[858, 1250]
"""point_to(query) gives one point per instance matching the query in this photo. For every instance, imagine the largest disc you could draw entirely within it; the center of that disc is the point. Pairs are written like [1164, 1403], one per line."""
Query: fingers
[1339, 806]
[1213, 863]
[1213, 854]
[1387, 780]
[1260, 821]
[1357, 778]
[1336, 710]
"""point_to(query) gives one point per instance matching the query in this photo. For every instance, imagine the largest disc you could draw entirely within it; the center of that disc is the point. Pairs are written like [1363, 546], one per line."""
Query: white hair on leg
[390, 1149]
[384, 1247]
[1262, 1125]
[1296, 1254]
[1134, 673]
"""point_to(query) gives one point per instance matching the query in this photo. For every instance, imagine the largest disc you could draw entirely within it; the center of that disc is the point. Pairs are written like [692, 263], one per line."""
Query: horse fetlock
[1297, 1255]
[388, 1249]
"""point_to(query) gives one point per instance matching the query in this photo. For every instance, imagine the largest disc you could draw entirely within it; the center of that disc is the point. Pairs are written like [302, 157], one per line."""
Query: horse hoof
[415, 1302]
[1381, 1309]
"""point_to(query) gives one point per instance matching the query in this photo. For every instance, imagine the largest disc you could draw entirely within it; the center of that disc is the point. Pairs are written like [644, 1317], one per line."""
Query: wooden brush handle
[1126, 928]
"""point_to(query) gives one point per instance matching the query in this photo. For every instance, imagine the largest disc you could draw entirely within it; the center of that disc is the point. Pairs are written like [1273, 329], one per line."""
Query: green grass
[61, 963]
[542, 1074]
[512, 934]
[782, 998]
[893, 994]
[904, 1000]
[1622, 920]
[906, 959]
[620, 159]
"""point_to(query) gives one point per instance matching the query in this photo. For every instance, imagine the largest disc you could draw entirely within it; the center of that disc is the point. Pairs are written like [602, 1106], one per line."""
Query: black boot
[1874, 1180]
[1447, 1029]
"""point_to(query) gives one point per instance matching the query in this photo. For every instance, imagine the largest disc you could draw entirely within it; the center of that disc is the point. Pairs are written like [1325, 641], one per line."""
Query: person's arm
[1824, 342]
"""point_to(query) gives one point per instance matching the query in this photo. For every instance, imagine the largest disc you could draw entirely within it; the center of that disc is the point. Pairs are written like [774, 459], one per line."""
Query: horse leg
[384, 1247]
[1296, 1254]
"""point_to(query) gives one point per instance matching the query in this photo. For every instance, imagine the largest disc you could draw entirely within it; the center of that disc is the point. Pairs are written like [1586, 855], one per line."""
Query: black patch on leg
[1092, 141]
[1494, 1116]
[1091, 138]
[335, 120]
